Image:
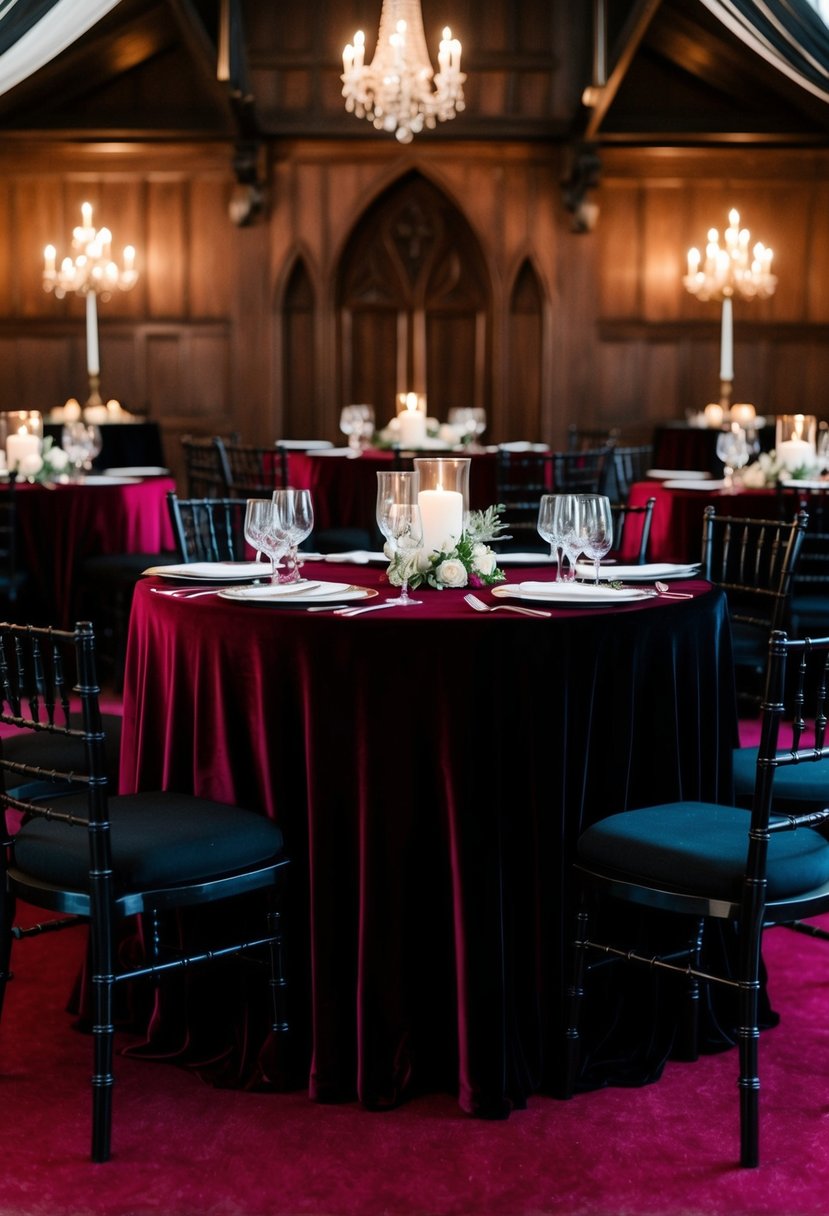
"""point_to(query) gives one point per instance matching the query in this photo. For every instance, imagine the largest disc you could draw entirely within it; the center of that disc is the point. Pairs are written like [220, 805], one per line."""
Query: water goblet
[546, 528]
[566, 524]
[357, 422]
[263, 531]
[733, 451]
[82, 443]
[398, 517]
[295, 512]
[596, 529]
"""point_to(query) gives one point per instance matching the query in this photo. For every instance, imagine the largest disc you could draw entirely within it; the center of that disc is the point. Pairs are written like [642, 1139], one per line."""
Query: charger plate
[291, 594]
[574, 594]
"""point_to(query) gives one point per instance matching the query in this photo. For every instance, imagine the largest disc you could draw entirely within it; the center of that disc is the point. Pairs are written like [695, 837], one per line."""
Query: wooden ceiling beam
[627, 44]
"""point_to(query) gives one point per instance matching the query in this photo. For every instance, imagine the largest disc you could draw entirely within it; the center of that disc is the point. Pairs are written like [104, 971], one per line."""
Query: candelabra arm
[726, 387]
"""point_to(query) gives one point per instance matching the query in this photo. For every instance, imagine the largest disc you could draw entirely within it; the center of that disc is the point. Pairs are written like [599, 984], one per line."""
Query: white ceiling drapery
[34, 31]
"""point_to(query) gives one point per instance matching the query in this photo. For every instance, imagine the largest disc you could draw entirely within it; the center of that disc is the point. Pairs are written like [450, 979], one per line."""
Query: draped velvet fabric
[676, 525]
[789, 34]
[61, 525]
[431, 769]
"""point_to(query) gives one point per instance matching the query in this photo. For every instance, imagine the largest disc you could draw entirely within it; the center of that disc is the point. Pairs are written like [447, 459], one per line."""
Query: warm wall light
[396, 92]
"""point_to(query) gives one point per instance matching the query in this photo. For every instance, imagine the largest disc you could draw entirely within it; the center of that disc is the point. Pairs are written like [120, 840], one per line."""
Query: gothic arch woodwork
[414, 304]
[299, 366]
[525, 354]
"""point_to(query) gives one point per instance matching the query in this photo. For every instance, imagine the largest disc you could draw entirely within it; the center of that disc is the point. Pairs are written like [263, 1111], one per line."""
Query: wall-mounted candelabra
[91, 272]
[729, 270]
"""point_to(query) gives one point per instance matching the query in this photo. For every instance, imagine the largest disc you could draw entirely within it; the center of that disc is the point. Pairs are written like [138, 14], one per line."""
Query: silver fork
[480, 606]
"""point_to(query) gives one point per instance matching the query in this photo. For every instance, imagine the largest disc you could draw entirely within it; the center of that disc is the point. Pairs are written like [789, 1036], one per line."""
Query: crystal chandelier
[730, 270]
[398, 90]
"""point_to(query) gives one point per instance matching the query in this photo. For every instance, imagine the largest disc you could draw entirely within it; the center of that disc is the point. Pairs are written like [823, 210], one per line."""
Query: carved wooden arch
[525, 352]
[301, 417]
[414, 303]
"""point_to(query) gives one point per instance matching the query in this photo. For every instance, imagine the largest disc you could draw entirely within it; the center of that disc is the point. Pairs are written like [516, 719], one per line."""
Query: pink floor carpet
[184, 1149]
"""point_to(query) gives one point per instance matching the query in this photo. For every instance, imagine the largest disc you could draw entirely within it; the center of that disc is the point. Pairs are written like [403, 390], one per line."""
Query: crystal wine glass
[547, 528]
[596, 529]
[82, 443]
[566, 524]
[263, 531]
[398, 517]
[732, 450]
[295, 512]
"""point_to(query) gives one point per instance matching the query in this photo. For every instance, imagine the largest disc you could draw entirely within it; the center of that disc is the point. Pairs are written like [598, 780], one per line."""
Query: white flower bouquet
[50, 464]
[468, 563]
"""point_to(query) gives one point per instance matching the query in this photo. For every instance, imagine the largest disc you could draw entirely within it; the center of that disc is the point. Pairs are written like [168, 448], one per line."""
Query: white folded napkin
[574, 590]
[356, 557]
[647, 572]
[216, 570]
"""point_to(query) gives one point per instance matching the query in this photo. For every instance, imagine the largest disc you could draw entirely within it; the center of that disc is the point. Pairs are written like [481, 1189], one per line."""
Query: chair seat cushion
[800, 788]
[158, 840]
[700, 848]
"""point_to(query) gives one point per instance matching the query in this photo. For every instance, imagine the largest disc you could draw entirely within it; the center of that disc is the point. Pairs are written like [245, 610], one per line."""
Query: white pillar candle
[93, 365]
[727, 341]
[412, 428]
[795, 453]
[19, 445]
[442, 514]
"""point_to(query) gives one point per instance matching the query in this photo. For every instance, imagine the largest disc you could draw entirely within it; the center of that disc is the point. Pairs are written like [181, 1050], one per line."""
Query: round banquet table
[62, 525]
[344, 487]
[431, 768]
[676, 527]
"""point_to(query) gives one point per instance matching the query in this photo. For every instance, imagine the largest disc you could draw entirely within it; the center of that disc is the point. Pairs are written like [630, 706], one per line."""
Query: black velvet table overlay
[431, 769]
[123, 444]
[678, 445]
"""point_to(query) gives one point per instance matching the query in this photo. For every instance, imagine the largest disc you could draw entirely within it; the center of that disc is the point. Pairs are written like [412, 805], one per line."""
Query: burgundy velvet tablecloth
[431, 768]
[676, 528]
[344, 488]
[62, 525]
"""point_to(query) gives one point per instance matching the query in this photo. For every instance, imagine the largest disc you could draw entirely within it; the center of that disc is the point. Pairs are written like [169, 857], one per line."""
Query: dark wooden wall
[254, 328]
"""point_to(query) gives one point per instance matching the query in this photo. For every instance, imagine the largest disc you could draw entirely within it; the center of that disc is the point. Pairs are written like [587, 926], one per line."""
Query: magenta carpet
[182, 1148]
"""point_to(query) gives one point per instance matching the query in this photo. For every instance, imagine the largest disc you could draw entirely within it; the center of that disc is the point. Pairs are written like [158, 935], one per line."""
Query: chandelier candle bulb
[441, 512]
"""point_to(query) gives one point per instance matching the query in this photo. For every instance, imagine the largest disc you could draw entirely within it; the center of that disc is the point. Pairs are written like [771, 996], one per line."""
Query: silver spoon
[664, 589]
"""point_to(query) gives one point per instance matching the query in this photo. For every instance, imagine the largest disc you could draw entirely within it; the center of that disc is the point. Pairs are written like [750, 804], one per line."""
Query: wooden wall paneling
[120, 207]
[8, 372]
[663, 262]
[525, 360]
[451, 340]
[210, 394]
[783, 212]
[9, 253]
[620, 254]
[33, 223]
[121, 376]
[374, 345]
[166, 293]
[817, 256]
[167, 388]
[210, 237]
[298, 371]
[658, 395]
[249, 385]
[46, 373]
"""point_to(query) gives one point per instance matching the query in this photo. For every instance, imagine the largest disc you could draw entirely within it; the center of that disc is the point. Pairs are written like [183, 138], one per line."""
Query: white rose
[30, 465]
[451, 573]
[483, 562]
[424, 561]
[58, 459]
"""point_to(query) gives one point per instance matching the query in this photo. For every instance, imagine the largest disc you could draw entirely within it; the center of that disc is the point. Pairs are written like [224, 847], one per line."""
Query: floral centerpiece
[768, 470]
[50, 464]
[468, 563]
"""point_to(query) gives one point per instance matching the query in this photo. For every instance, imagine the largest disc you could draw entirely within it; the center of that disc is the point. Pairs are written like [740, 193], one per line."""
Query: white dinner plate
[212, 572]
[683, 483]
[295, 593]
[98, 479]
[351, 557]
[641, 574]
[138, 470]
[572, 593]
[670, 474]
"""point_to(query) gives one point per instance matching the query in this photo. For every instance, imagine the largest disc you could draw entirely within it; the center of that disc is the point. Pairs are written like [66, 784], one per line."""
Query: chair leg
[278, 982]
[103, 1034]
[575, 994]
[690, 1028]
[748, 1037]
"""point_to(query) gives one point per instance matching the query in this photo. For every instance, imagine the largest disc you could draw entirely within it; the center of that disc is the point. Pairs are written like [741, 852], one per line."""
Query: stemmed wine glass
[732, 450]
[264, 531]
[546, 528]
[596, 529]
[567, 527]
[357, 422]
[470, 420]
[295, 513]
[82, 442]
[398, 517]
